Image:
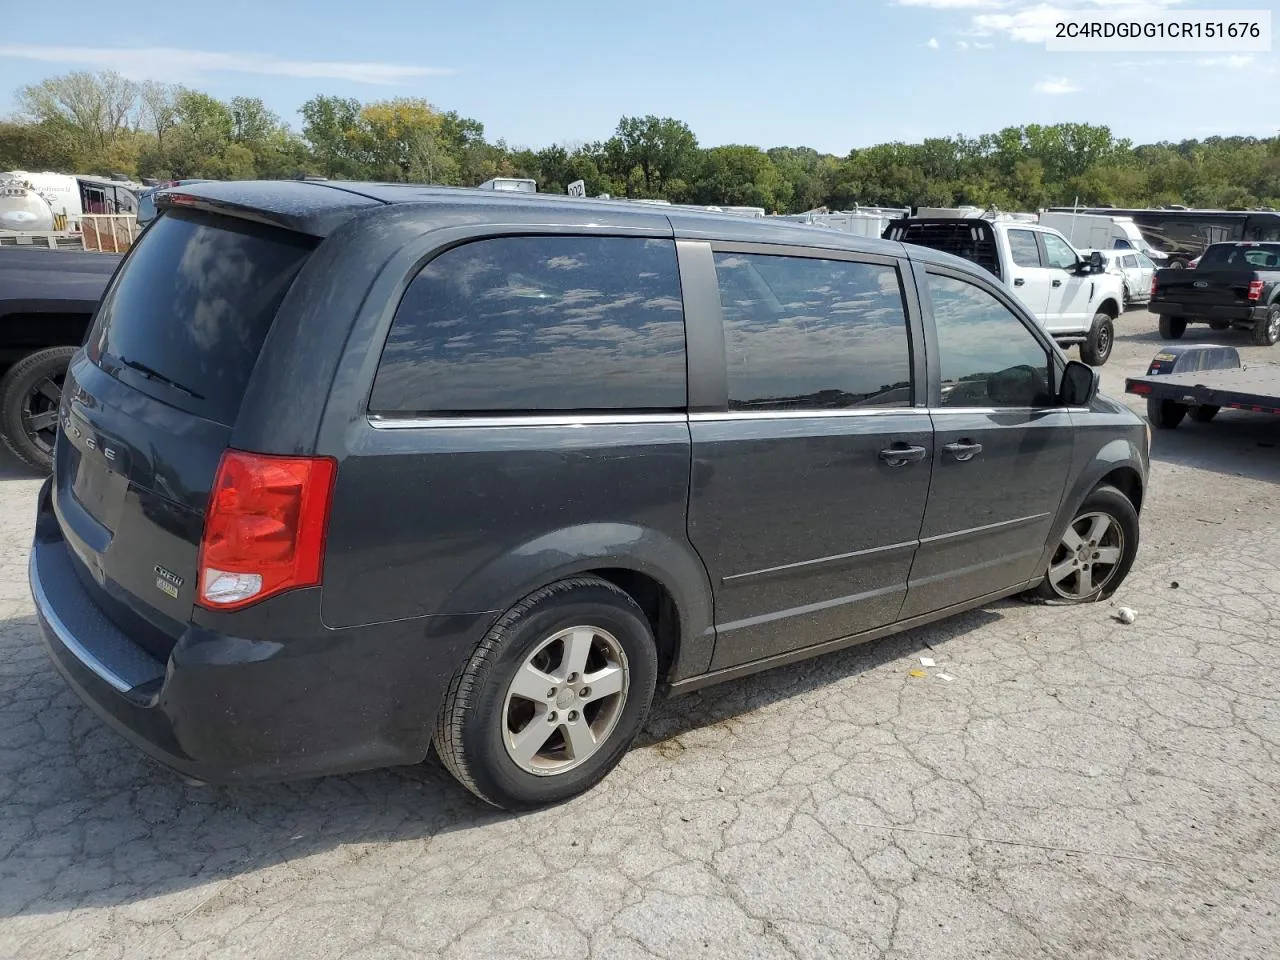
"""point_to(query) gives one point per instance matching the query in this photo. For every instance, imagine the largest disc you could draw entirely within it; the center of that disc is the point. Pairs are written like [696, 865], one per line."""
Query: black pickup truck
[1234, 285]
[47, 298]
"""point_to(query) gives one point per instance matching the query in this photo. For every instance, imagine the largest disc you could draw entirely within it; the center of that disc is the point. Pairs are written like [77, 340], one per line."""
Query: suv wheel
[1172, 328]
[30, 393]
[1102, 337]
[1095, 552]
[552, 696]
[1266, 332]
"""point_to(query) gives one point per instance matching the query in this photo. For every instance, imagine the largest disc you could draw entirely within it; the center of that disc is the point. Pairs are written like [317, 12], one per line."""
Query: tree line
[104, 123]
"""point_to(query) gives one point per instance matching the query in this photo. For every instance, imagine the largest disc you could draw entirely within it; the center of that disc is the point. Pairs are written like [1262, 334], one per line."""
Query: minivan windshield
[186, 317]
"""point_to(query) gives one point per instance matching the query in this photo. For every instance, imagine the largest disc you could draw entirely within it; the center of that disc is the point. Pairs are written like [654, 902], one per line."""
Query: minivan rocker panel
[349, 470]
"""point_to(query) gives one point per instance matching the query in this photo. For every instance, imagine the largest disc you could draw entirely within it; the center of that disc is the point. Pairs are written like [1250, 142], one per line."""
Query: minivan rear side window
[530, 324]
[185, 319]
[803, 333]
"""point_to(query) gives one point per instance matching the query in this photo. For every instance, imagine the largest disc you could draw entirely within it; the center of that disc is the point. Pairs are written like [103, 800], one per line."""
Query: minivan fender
[1119, 458]
[571, 551]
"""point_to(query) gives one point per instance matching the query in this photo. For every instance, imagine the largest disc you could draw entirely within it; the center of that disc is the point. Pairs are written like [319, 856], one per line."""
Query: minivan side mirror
[1079, 384]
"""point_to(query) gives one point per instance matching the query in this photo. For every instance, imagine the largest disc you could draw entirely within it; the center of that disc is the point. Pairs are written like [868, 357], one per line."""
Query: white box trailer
[1088, 231]
[863, 222]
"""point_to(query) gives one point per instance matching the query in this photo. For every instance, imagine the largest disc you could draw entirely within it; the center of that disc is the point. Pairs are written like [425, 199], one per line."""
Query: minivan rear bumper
[226, 709]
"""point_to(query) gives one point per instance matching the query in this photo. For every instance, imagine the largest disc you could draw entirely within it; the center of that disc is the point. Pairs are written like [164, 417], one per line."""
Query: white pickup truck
[1071, 296]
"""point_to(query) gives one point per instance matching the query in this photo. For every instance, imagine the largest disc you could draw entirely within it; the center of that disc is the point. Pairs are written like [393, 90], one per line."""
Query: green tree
[662, 149]
[737, 175]
[95, 107]
[331, 128]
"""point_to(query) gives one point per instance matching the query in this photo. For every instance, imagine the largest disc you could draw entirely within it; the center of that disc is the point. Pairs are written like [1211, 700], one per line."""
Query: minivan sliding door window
[803, 333]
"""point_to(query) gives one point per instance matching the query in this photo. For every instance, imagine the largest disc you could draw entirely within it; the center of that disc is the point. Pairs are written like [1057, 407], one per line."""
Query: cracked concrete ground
[1080, 789]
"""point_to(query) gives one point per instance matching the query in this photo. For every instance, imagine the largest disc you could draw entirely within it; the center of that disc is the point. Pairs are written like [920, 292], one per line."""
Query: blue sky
[831, 74]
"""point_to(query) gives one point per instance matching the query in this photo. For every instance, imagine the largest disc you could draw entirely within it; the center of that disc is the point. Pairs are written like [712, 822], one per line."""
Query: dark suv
[348, 469]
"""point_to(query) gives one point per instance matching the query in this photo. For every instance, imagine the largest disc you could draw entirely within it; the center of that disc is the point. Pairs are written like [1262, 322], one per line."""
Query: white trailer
[1088, 231]
[862, 222]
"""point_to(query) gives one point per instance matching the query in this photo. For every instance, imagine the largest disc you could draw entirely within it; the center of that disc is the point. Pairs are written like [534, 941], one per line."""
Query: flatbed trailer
[1199, 380]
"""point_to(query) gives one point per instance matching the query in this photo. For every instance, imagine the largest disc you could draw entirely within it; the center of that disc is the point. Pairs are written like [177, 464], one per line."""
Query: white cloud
[1237, 61]
[1055, 86]
[962, 44]
[954, 4]
[169, 63]
[932, 43]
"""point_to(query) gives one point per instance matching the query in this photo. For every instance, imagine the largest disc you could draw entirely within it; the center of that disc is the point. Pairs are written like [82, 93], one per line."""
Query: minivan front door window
[988, 358]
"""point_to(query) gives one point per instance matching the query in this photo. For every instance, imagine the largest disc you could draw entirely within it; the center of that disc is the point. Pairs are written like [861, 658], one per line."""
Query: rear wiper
[152, 374]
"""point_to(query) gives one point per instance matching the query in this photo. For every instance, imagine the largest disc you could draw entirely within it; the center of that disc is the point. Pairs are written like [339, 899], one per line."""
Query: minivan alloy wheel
[565, 700]
[1088, 556]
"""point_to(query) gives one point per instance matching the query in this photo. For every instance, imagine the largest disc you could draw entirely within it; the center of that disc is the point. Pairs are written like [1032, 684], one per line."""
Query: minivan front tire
[1095, 552]
[552, 697]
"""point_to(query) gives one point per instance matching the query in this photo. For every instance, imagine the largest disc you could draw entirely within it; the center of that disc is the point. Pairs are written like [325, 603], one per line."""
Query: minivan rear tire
[473, 730]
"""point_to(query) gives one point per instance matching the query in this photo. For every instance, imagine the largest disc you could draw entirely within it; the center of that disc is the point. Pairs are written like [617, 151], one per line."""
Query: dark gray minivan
[345, 470]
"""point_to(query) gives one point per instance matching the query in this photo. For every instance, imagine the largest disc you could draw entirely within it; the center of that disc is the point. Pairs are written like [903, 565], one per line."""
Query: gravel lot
[1080, 789]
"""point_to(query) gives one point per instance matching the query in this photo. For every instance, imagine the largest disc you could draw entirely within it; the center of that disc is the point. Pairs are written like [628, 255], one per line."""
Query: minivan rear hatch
[149, 407]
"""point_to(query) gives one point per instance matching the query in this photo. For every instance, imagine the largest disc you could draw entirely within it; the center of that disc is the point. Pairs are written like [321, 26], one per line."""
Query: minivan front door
[808, 489]
[1003, 450]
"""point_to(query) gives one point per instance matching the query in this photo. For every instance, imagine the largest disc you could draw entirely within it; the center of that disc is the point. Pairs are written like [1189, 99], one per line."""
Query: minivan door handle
[1020, 281]
[1057, 283]
[963, 450]
[900, 454]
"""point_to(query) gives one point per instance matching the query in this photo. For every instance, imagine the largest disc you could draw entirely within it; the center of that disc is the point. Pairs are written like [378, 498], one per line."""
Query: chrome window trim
[946, 410]
[524, 420]
[623, 419]
[721, 415]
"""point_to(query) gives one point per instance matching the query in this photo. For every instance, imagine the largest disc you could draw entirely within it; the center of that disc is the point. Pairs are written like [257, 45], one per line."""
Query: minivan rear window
[185, 319]
[517, 325]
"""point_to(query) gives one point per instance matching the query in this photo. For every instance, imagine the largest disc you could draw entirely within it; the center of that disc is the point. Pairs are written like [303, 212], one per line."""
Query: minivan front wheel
[552, 697]
[1095, 552]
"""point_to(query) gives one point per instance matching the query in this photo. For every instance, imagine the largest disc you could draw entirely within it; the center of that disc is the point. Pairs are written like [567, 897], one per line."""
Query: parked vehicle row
[1234, 285]
[1184, 234]
[414, 465]
[1134, 269]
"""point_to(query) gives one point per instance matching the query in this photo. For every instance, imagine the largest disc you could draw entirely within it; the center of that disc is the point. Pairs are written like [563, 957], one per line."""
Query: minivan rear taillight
[264, 531]
[1255, 289]
[1153, 287]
